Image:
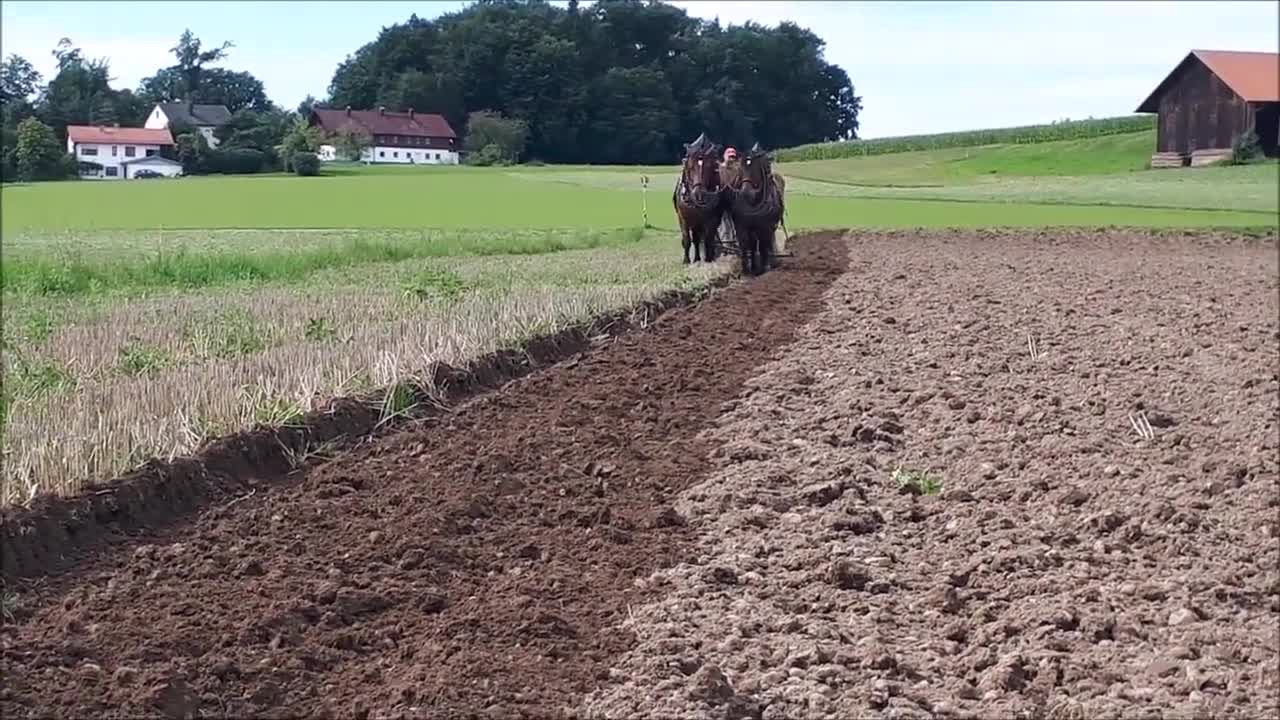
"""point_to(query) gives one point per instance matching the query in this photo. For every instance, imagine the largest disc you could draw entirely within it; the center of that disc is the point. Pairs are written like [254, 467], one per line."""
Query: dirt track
[699, 520]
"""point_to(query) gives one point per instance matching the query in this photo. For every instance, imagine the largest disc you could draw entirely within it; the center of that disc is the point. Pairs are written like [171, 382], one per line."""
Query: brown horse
[731, 174]
[755, 204]
[697, 200]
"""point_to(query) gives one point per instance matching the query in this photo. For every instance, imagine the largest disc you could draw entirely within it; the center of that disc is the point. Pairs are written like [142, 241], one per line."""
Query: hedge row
[1065, 130]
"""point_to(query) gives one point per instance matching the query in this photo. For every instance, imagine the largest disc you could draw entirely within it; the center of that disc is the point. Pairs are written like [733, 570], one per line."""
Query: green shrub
[1245, 147]
[306, 164]
[490, 154]
[237, 161]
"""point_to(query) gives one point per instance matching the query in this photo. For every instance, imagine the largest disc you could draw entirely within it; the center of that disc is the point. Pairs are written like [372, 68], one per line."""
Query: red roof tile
[1254, 76]
[387, 123]
[118, 135]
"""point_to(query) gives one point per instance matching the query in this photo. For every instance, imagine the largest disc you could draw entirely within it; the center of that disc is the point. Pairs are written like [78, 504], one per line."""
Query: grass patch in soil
[158, 374]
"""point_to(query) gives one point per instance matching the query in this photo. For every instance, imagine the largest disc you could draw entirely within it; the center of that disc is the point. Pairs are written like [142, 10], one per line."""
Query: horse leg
[697, 242]
[713, 240]
[744, 247]
[766, 249]
[753, 246]
[685, 240]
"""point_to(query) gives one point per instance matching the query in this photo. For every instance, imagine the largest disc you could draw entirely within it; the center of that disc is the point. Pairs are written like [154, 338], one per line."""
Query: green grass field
[142, 318]
[1095, 181]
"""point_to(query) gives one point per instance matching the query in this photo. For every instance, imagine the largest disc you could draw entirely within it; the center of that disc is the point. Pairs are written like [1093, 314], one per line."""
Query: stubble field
[948, 473]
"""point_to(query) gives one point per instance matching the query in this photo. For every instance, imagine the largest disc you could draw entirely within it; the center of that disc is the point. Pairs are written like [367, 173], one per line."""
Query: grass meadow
[143, 318]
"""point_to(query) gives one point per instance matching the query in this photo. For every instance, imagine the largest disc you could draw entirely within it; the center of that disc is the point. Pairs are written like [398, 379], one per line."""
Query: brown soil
[700, 519]
[473, 564]
[1068, 568]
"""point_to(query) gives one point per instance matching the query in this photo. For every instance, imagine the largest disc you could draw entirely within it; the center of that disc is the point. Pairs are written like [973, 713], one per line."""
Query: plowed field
[906, 475]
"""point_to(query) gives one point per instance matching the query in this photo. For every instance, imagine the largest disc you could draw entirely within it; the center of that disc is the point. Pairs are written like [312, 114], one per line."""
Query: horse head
[756, 170]
[700, 173]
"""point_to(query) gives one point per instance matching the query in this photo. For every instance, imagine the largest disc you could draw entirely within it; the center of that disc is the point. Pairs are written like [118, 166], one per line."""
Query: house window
[92, 151]
[395, 154]
[437, 156]
[382, 153]
[151, 152]
[130, 151]
[113, 171]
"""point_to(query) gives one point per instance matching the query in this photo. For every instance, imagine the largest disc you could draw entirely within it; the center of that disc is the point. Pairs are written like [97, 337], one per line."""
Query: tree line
[616, 82]
[619, 81]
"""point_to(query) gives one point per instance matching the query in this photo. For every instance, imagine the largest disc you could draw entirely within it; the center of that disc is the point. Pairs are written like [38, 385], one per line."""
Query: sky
[920, 67]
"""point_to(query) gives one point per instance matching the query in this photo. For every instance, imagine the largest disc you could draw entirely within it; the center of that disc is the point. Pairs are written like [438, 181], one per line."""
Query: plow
[727, 241]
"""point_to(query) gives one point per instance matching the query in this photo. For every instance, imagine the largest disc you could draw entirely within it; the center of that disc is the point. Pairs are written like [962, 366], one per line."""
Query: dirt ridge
[36, 539]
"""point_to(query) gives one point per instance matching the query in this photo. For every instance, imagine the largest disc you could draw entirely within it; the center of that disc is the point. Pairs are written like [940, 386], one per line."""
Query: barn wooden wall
[1199, 112]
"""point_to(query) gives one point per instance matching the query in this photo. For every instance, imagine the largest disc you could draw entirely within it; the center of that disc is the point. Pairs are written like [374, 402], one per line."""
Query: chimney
[348, 111]
[410, 113]
[382, 110]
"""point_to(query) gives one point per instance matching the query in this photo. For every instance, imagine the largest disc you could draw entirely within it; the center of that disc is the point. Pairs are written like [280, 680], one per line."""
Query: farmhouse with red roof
[395, 137]
[117, 153]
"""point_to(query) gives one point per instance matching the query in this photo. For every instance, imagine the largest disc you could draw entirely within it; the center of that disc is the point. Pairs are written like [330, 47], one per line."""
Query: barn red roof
[1254, 76]
[118, 135]
[378, 122]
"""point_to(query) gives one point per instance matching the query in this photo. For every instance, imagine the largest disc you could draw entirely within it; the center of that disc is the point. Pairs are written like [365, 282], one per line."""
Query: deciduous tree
[38, 154]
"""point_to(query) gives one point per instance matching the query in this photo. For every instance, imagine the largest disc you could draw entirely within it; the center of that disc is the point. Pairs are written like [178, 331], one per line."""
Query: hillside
[1020, 135]
[1104, 167]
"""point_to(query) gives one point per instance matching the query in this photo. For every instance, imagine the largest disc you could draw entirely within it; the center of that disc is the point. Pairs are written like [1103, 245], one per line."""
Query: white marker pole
[644, 199]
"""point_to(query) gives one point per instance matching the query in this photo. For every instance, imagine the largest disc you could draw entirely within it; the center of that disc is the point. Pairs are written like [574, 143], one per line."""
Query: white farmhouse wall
[327, 153]
[405, 156]
[111, 157]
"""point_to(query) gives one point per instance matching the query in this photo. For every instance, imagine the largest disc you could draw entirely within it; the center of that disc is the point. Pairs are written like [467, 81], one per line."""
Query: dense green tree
[350, 142]
[191, 61]
[19, 79]
[38, 155]
[300, 138]
[492, 139]
[190, 80]
[306, 106]
[614, 81]
[193, 152]
[433, 92]
[218, 86]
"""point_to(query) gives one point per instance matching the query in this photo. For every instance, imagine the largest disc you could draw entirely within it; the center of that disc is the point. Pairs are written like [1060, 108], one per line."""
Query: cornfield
[1026, 134]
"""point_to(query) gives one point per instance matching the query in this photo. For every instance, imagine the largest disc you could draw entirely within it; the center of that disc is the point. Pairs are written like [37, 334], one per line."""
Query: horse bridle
[684, 174]
[696, 194]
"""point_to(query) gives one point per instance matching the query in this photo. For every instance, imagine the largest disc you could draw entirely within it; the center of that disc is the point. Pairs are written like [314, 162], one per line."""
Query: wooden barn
[1211, 97]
